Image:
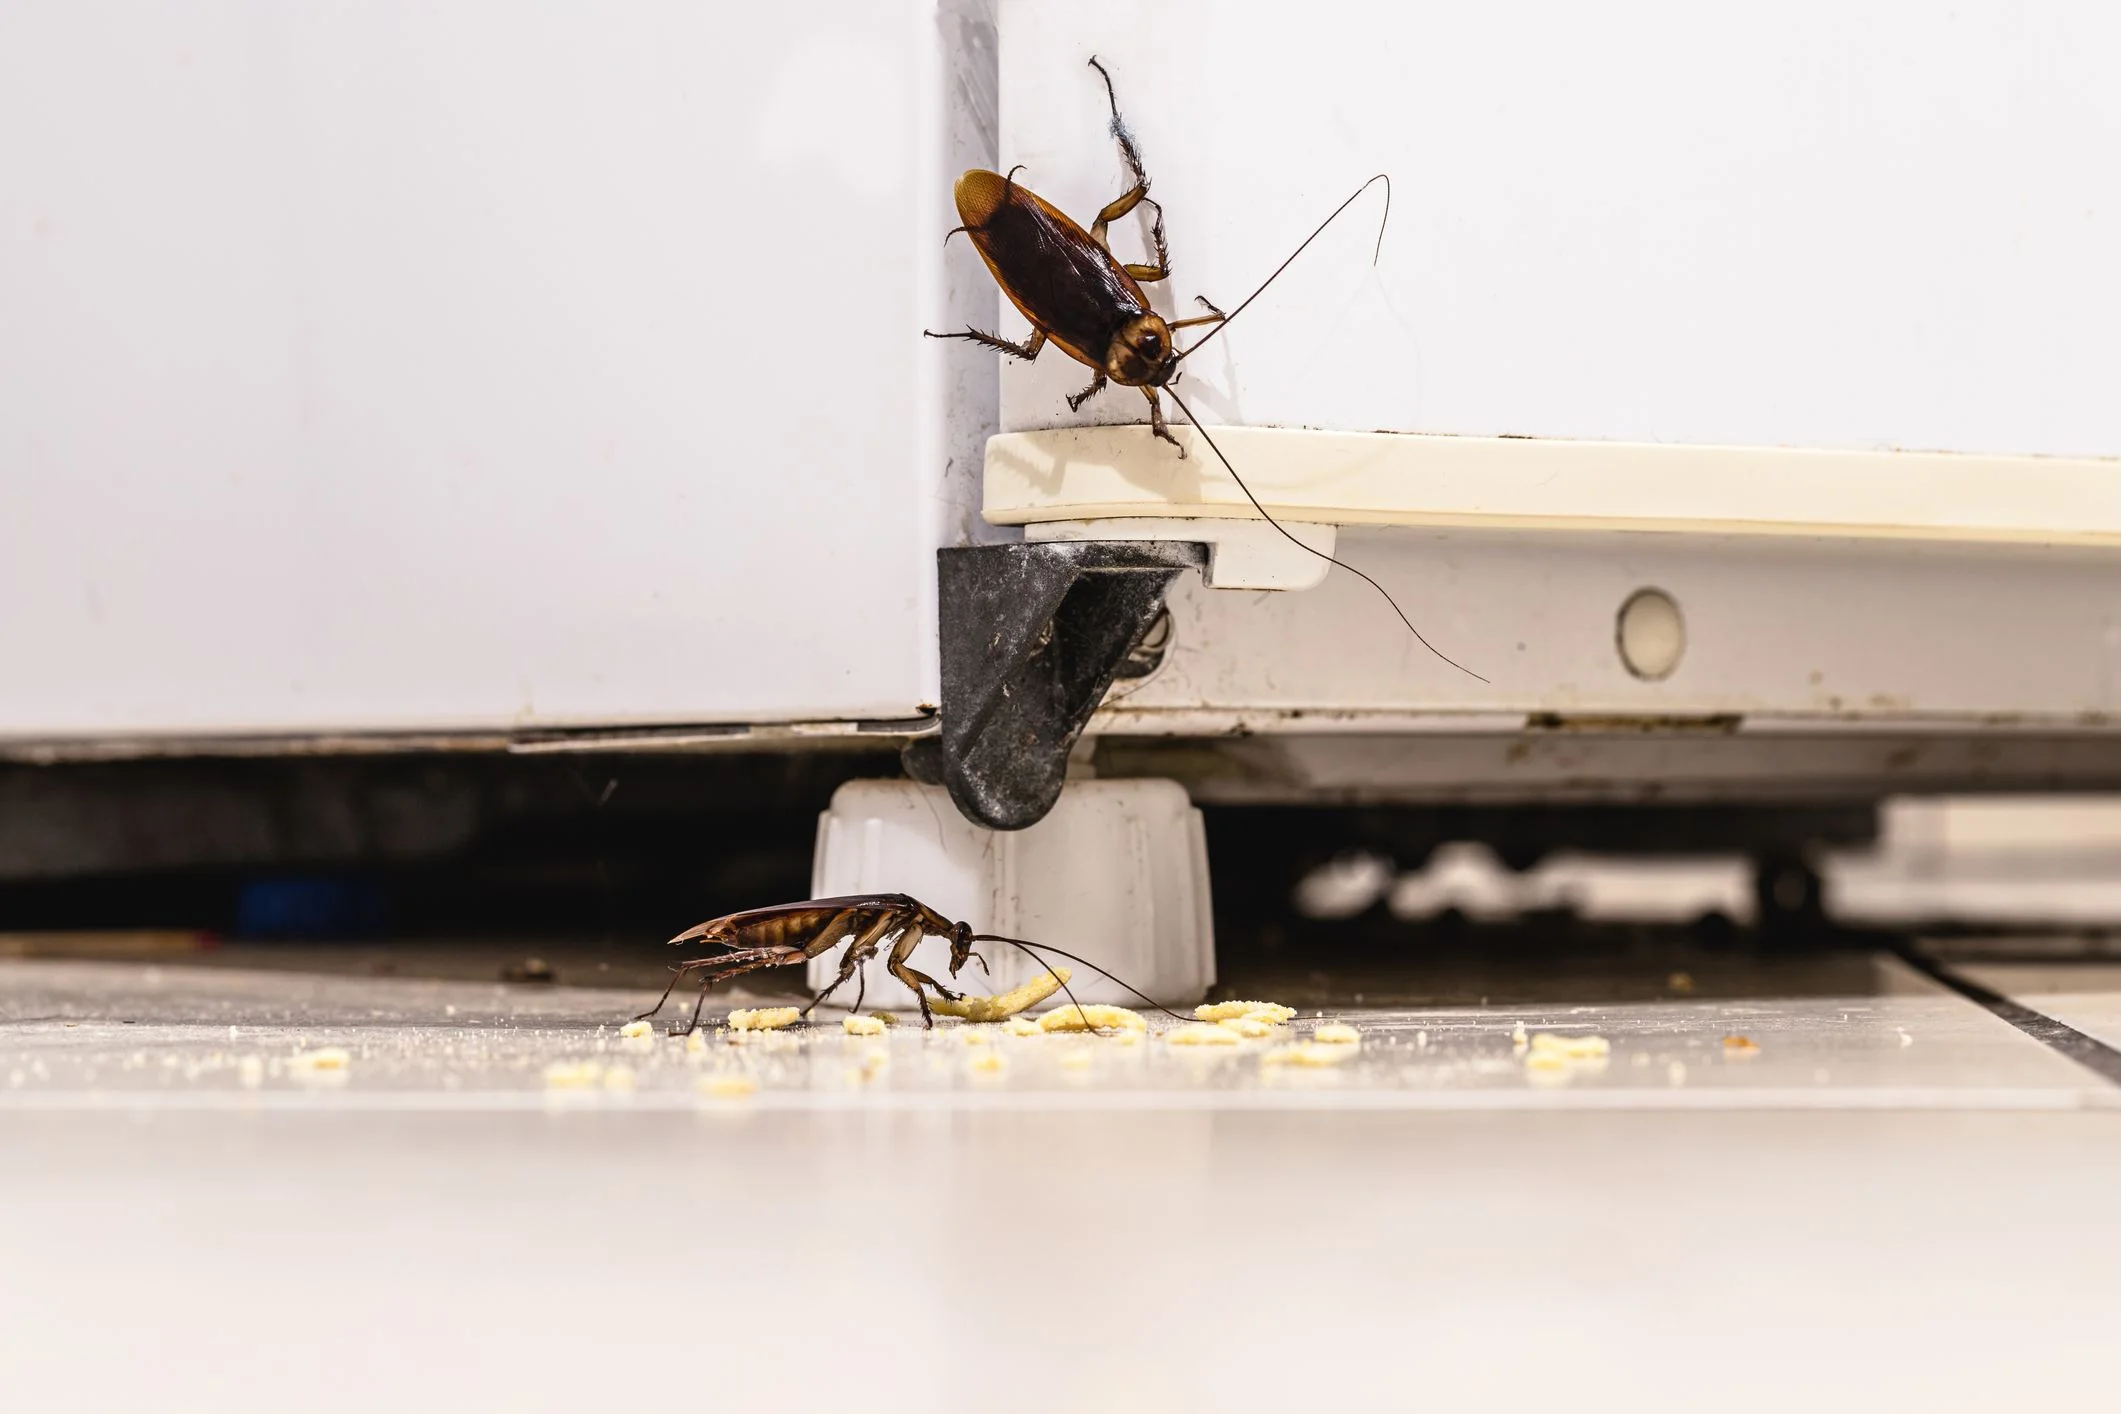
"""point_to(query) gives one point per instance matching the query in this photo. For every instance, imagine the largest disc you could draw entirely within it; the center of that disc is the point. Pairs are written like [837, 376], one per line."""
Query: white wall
[1888, 224]
[380, 366]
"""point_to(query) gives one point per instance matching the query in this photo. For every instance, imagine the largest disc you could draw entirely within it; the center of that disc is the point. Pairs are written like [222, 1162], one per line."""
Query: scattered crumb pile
[1740, 1046]
[1272, 1013]
[1202, 1033]
[1092, 1018]
[636, 1031]
[1248, 1028]
[1021, 1026]
[1337, 1033]
[863, 1026]
[1007, 1004]
[765, 1018]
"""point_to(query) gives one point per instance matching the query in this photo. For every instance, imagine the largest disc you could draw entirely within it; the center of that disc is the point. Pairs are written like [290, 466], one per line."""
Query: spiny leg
[721, 969]
[1213, 316]
[1027, 350]
[859, 951]
[1133, 196]
[1097, 385]
[1157, 425]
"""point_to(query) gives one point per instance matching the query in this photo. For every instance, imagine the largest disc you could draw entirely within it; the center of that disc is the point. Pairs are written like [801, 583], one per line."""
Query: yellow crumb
[695, 1042]
[862, 1026]
[1250, 1028]
[1020, 1026]
[1310, 1054]
[978, 1035]
[1092, 1018]
[635, 1031]
[1203, 1034]
[988, 1062]
[765, 1018]
[1006, 1004]
[1337, 1033]
[1740, 1046]
[728, 1085]
[1273, 1013]
[1081, 1058]
[619, 1077]
[573, 1075]
[323, 1058]
[1546, 1060]
[1517, 1039]
[1571, 1047]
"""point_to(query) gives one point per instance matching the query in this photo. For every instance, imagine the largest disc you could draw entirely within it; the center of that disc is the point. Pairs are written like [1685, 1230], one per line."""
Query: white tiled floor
[1899, 1202]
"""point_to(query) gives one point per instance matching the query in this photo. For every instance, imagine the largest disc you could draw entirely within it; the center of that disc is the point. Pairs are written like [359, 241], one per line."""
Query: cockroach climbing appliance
[1078, 295]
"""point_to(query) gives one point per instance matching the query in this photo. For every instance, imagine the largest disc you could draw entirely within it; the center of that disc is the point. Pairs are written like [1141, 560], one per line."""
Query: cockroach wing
[1057, 277]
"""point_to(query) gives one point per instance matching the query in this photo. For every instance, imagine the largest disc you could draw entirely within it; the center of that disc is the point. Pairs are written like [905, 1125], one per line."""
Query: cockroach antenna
[1312, 548]
[1042, 962]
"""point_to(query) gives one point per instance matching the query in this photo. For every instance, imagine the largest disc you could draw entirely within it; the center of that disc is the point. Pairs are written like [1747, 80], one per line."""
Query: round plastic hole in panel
[1651, 635]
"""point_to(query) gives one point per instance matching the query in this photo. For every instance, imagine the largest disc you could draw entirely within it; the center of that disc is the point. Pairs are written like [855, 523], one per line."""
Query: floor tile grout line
[2058, 1036]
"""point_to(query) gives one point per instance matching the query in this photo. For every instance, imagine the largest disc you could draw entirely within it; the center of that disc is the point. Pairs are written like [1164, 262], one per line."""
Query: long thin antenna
[1374, 253]
[1048, 947]
[1313, 549]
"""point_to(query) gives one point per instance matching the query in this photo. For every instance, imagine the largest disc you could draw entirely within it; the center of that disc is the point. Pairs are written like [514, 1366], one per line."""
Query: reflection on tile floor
[1876, 1035]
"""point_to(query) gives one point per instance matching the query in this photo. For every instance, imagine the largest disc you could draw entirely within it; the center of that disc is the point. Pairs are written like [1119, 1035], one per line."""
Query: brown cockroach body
[1077, 294]
[797, 932]
[1070, 286]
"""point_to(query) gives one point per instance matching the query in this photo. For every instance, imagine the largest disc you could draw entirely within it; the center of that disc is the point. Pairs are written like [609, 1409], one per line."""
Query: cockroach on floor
[797, 932]
[1078, 295]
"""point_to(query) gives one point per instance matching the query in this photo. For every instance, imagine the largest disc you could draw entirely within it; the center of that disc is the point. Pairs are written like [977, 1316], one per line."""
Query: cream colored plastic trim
[1376, 478]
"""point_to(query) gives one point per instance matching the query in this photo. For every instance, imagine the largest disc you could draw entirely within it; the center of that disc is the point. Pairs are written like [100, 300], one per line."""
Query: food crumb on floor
[1203, 1034]
[1021, 1026]
[1273, 1013]
[988, 1062]
[1740, 1046]
[323, 1058]
[573, 1075]
[765, 1018]
[1337, 1033]
[1004, 1005]
[1571, 1047]
[862, 1026]
[695, 1042]
[728, 1085]
[636, 1031]
[1092, 1018]
[1250, 1028]
[1309, 1054]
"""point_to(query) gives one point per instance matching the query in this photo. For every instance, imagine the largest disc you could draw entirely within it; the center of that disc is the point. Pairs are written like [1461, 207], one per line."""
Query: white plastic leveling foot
[1117, 873]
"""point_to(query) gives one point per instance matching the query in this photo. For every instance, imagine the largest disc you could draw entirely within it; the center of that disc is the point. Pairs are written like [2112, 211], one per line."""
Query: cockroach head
[961, 948]
[1142, 354]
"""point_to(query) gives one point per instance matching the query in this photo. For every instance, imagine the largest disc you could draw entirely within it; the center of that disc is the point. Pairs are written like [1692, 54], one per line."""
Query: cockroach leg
[858, 952]
[1027, 350]
[1213, 316]
[1157, 425]
[719, 968]
[1097, 385]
